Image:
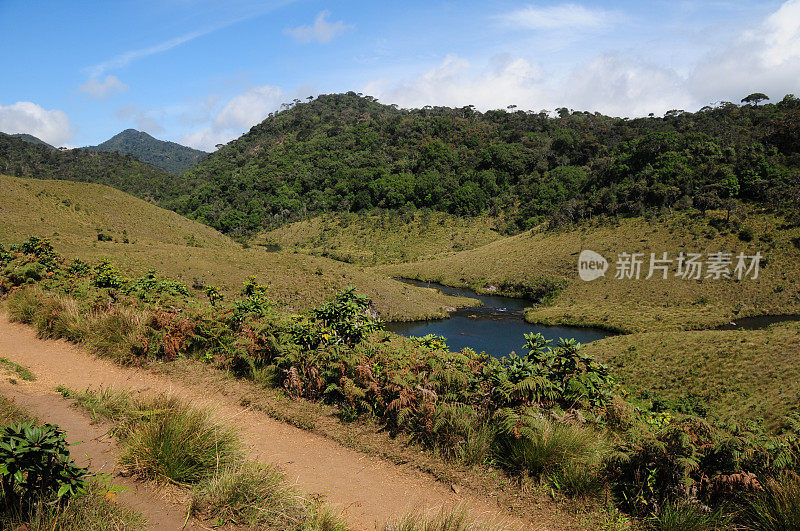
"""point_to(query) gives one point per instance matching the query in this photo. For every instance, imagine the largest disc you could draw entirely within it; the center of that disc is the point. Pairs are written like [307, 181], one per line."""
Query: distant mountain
[32, 139]
[21, 158]
[168, 156]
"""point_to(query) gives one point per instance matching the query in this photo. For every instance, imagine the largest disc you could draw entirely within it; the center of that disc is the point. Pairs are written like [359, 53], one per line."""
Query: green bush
[35, 467]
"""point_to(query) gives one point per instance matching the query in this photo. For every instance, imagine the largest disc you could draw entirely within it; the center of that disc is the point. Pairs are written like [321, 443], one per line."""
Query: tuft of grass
[457, 519]
[106, 403]
[96, 510]
[683, 516]
[11, 413]
[777, 507]
[543, 446]
[258, 496]
[22, 372]
[174, 442]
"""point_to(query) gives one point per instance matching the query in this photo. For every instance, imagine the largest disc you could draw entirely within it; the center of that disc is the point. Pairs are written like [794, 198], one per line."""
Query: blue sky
[202, 72]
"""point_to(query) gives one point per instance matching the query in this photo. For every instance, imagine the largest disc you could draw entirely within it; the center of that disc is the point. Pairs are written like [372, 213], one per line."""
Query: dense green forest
[346, 152]
[168, 156]
[22, 158]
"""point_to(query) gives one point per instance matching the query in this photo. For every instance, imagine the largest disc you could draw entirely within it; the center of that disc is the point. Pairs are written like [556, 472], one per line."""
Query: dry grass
[72, 214]
[633, 305]
[383, 238]
[742, 374]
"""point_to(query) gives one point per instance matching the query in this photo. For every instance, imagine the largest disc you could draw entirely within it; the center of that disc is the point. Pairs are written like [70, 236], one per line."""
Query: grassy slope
[387, 237]
[633, 305]
[740, 374]
[72, 214]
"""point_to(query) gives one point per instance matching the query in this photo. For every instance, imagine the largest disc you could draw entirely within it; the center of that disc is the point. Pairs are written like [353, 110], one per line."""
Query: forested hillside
[344, 152]
[168, 156]
[25, 159]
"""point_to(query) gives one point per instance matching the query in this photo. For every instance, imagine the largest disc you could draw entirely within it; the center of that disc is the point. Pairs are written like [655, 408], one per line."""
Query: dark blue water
[758, 322]
[497, 327]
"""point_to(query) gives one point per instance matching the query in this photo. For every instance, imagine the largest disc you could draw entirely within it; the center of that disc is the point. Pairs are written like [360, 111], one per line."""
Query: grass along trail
[369, 491]
[94, 447]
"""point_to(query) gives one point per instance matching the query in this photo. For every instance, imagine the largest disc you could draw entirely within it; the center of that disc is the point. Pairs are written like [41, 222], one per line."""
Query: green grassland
[737, 374]
[73, 214]
[634, 305]
[383, 237]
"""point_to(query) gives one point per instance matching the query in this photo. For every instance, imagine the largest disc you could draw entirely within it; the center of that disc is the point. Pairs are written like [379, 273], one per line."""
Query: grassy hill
[730, 374]
[382, 237]
[25, 159]
[634, 305]
[167, 156]
[73, 214]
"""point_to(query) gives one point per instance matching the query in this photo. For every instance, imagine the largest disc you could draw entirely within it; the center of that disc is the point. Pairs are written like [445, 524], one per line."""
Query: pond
[758, 322]
[497, 327]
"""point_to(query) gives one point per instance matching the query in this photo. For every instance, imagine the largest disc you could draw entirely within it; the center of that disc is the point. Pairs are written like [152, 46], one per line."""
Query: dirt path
[98, 450]
[368, 490]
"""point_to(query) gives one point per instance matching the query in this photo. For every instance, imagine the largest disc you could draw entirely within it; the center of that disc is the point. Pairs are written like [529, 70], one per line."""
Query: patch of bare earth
[368, 490]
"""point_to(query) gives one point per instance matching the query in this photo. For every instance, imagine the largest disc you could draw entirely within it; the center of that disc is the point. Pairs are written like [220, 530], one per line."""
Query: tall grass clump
[775, 508]
[569, 456]
[257, 496]
[457, 519]
[683, 516]
[175, 442]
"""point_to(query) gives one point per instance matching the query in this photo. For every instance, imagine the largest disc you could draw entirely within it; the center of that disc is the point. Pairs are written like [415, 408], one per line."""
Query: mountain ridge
[166, 155]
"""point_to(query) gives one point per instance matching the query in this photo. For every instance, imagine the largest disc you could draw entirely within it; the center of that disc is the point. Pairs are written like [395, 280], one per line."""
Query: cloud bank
[100, 90]
[26, 117]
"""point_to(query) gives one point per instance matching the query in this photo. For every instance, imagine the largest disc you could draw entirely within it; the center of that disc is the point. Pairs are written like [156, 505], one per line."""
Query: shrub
[348, 316]
[35, 467]
[746, 234]
[106, 276]
[174, 442]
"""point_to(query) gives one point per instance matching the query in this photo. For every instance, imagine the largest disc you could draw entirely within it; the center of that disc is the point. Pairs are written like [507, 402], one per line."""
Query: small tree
[755, 98]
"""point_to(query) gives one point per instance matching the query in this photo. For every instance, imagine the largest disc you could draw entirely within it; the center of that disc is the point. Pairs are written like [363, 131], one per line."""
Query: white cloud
[101, 90]
[25, 117]
[235, 117]
[246, 110]
[564, 16]
[124, 59]
[143, 119]
[322, 31]
[607, 84]
[455, 82]
[764, 59]
[619, 87]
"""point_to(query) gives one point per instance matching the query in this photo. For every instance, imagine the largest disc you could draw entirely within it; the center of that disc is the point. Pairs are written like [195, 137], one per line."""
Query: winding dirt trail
[368, 491]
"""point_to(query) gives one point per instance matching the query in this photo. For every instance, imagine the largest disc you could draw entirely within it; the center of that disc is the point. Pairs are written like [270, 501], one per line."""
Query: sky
[202, 72]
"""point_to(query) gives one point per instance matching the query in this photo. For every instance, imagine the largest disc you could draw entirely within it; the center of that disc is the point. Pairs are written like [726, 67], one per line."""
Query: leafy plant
[35, 466]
